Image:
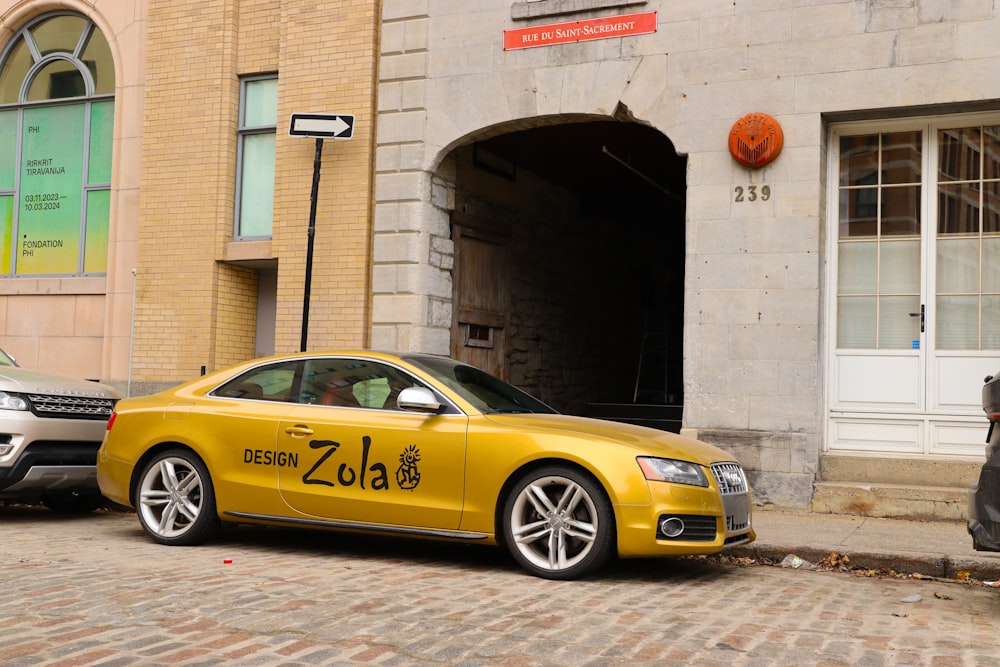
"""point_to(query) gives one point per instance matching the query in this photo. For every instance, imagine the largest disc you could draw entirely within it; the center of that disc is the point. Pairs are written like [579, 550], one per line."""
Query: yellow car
[420, 446]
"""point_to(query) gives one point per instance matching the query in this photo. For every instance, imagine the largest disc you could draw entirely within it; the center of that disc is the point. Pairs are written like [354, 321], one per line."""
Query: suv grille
[71, 407]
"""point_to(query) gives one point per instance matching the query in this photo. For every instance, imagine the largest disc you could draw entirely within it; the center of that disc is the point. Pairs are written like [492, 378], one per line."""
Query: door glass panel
[899, 268]
[858, 212]
[991, 152]
[901, 210]
[856, 322]
[901, 158]
[856, 273]
[991, 207]
[966, 243]
[958, 208]
[879, 270]
[957, 265]
[991, 322]
[991, 267]
[958, 151]
[958, 322]
[898, 324]
[858, 159]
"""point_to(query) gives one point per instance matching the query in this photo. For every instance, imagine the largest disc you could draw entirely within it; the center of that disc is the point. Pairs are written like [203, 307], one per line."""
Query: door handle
[921, 316]
[299, 431]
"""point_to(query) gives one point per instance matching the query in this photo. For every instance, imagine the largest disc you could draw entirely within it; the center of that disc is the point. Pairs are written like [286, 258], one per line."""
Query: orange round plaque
[755, 140]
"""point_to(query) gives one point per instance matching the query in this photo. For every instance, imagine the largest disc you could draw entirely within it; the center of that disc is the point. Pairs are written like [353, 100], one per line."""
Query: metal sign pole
[318, 126]
[309, 248]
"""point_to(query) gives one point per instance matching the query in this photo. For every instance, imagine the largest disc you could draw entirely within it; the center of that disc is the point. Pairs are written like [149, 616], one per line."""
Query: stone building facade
[817, 297]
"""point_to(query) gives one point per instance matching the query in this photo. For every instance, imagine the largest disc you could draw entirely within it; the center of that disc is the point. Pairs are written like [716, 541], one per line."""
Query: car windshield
[484, 391]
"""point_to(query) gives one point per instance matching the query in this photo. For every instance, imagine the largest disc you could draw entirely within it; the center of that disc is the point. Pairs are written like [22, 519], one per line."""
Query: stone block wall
[754, 333]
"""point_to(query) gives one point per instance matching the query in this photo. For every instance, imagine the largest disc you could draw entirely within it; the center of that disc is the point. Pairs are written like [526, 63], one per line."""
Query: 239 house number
[751, 193]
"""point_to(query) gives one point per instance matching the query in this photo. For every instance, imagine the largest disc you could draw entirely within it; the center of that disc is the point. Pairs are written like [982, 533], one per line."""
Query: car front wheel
[175, 500]
[558, 523]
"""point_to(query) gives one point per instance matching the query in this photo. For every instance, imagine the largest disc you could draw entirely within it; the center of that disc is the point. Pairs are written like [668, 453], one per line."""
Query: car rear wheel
[558, 523]
[175, 500]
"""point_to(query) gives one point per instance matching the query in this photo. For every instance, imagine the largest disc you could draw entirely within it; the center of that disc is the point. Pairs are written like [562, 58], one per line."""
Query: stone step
[906, 488]
[938, 503]
[940, 472]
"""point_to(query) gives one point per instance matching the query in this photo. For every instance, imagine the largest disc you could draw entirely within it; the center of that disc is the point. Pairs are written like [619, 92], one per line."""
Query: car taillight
[111, 420]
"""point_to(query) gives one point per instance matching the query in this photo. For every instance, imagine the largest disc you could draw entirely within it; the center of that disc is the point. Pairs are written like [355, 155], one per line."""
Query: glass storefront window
[56, 118]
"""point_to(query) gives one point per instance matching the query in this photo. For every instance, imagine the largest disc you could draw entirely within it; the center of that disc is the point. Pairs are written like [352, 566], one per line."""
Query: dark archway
[569, 266]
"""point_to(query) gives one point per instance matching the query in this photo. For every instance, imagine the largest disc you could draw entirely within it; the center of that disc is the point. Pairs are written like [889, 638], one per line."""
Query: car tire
[558, 523]
[73, 503]
[175, 501]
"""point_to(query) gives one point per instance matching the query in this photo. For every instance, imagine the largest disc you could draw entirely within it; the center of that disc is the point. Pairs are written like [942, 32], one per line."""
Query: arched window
[57, 87]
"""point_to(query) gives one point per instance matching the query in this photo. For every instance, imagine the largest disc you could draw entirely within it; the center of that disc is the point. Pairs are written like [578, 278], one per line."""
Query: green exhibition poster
[50, 190]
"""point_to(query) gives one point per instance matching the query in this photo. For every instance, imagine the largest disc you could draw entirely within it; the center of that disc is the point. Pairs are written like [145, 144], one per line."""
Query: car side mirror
[418, 399]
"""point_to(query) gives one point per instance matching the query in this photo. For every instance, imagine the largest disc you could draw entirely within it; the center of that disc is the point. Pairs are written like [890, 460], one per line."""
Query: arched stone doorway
[568, 273]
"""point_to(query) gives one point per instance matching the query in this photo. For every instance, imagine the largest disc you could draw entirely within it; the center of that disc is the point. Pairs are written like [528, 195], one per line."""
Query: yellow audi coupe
[421, 446]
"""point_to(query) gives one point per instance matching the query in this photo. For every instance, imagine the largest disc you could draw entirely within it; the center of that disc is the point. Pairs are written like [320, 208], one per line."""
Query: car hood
[640, 438]
[27, 381]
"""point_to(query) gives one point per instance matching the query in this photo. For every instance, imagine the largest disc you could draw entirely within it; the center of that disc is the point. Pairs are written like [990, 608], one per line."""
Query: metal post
[309, 248]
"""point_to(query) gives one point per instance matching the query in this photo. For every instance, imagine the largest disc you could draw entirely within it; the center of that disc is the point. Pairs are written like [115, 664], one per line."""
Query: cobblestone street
[93, 590]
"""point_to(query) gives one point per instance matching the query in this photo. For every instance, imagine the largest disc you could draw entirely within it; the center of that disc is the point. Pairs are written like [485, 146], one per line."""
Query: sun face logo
[755, 140]
[407, 474]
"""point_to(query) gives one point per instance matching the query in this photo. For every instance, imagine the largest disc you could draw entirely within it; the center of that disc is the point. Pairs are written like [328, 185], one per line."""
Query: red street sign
[579, 31]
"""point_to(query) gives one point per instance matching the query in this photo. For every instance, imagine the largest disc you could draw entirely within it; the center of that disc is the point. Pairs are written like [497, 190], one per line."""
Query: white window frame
[243, 132]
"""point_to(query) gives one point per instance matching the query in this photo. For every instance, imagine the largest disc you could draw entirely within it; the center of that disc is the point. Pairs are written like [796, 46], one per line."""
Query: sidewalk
[932, 548]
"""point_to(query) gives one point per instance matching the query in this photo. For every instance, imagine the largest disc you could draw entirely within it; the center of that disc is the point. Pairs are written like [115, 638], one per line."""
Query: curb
[926, 564]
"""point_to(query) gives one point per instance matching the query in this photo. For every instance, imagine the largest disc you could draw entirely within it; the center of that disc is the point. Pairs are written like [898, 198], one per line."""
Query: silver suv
[50, 430]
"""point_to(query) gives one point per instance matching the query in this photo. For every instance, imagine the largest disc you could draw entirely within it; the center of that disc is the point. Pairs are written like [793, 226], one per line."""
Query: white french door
[915, 290]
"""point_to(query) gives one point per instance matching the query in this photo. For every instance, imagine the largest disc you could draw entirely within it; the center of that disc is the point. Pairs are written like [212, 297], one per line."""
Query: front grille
[730, 478]
[735, 524]
[735, 495]
[71, 407]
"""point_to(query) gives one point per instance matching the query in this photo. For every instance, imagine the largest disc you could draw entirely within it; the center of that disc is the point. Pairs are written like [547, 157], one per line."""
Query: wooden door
[480, 280]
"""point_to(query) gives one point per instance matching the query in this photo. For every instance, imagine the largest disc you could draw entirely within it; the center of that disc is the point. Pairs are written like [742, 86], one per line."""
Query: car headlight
[12, 401]
[672, 470]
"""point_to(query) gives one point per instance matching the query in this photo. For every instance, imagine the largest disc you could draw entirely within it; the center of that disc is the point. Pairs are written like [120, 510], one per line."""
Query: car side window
[353, 383]
[265, 383]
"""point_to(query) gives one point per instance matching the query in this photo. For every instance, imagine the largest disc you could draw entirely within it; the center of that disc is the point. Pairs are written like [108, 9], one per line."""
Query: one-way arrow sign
[322, 126]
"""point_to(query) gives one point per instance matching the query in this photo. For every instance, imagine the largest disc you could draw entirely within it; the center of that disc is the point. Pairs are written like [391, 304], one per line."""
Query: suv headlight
[12, 401]
[672, 470]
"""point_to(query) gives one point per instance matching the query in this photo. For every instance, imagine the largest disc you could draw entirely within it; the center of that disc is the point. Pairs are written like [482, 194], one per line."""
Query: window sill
[237, 251]
[21, 285]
